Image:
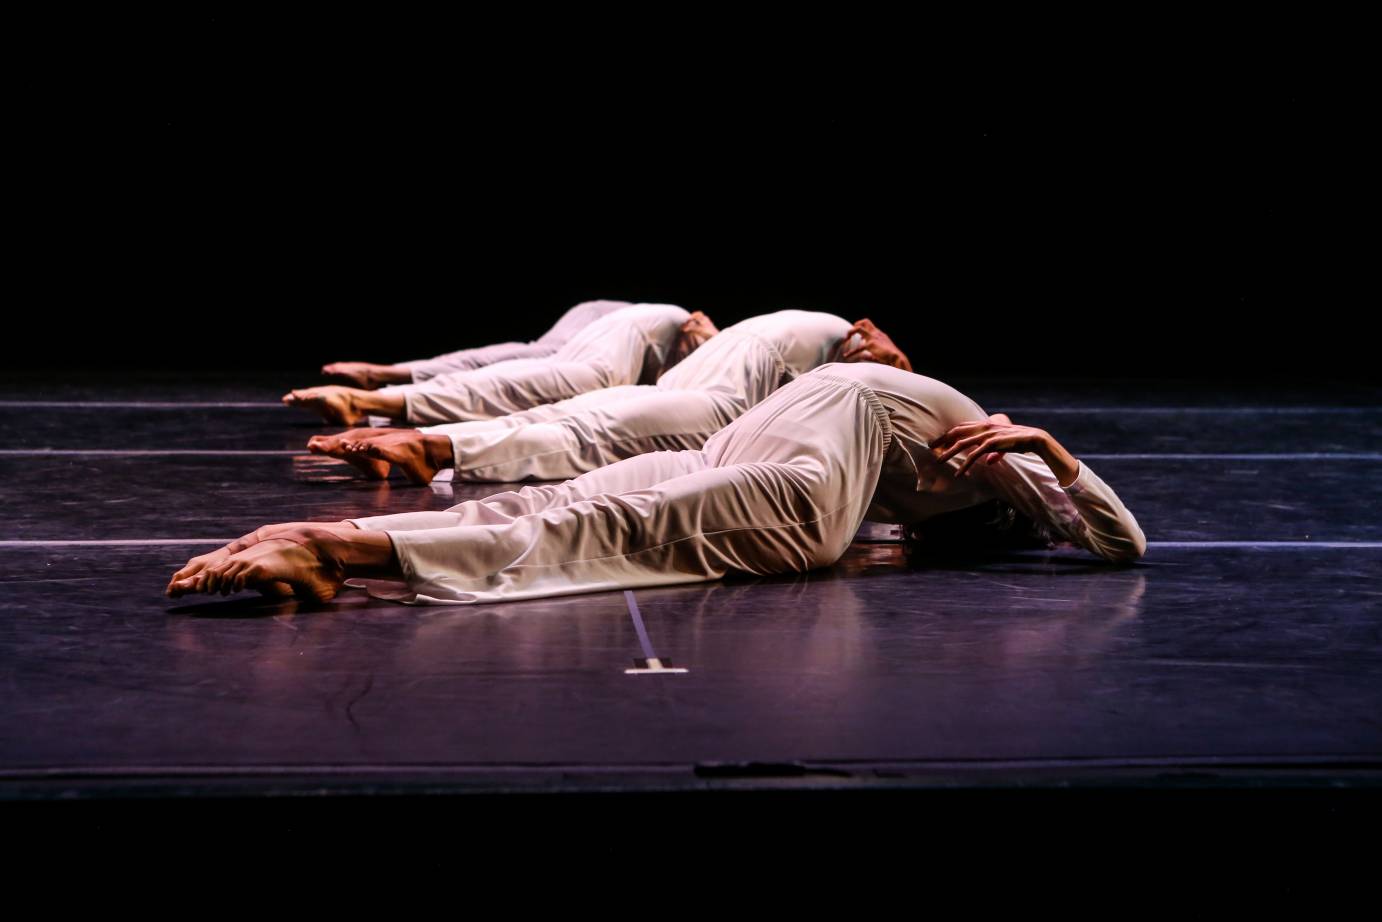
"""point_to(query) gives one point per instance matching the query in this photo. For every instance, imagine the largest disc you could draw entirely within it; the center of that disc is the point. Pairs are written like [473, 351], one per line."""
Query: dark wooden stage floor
[1244, 651]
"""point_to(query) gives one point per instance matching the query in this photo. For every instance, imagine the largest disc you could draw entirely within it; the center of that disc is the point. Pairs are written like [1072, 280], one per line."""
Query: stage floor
[1245, 648]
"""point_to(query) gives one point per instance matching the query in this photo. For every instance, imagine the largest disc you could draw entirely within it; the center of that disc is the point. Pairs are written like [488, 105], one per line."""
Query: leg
[548, 412]
[760, 518]
[659, 419]
[470, 359]
[637, 473]
[421, 453]
[367, 375]
[346, 406]
[782, 489]
[497, 390]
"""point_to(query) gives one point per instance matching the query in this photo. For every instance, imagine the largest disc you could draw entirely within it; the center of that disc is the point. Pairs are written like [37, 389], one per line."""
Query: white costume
[623, 347]
[571, 323]
[735, 370]
[783, 488]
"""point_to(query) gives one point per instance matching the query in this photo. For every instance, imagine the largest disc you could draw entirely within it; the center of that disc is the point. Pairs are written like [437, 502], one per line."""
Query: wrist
[1061, 462]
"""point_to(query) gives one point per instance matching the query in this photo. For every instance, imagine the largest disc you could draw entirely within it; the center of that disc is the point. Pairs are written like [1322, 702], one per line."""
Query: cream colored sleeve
[578, 318]
[1087, 512]
[407, 521]
[1112, 530]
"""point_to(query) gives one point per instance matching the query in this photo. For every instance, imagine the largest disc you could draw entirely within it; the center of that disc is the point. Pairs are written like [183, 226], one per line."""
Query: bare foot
[335, 404]
[359, 374]
[269, 566]
[372, 468]
[203, 561]
[419, 456]
[366, 375]
[334, 445]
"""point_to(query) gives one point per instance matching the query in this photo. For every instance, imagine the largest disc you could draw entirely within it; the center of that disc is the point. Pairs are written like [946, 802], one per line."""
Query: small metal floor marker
[650, 664]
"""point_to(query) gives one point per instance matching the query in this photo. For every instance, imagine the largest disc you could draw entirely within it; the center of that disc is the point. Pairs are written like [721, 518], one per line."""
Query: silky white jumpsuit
[733, 371]
[783, 488]
[572, 322]
[625, 346]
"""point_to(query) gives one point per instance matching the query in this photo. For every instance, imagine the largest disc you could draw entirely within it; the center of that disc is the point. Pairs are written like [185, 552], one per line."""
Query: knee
[810, 534]
[794, 550]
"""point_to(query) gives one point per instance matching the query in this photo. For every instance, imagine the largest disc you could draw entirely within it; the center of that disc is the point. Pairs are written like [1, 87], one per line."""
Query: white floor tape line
[1265, 456]
[148, 453]
[1358, 545]
[117, 542]
[1216, 411]
[137, 405]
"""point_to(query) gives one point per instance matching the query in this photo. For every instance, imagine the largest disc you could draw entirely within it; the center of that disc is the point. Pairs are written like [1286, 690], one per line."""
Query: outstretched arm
[1046, 482]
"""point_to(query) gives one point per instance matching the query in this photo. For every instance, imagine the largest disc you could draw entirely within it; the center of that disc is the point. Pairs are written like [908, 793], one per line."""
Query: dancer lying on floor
[632, 344]
[783, 488]
[370, 376]
[726, 376]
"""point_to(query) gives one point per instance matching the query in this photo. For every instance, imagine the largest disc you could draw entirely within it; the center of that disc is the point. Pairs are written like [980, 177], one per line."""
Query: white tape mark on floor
[138, 405]
[147, 453]
[1266, 456]
[118, 542]
[651, 663]
[1266, 544]
[1216, 411]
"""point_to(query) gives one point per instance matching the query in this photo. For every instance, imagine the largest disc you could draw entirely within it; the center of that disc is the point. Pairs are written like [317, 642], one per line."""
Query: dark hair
[990, 526]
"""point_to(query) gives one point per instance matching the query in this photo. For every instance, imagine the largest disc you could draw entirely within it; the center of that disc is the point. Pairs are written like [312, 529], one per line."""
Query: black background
[227, 194]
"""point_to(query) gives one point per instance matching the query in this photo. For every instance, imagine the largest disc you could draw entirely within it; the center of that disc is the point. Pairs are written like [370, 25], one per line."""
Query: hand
[699, 327]
[873, 346]
[987, 441]
[694, 333]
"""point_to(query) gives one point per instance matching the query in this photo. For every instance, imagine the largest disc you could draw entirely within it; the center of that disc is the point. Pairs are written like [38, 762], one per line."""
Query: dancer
[782, 489]
[623, 347]
[370, 376]
[734, 371]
